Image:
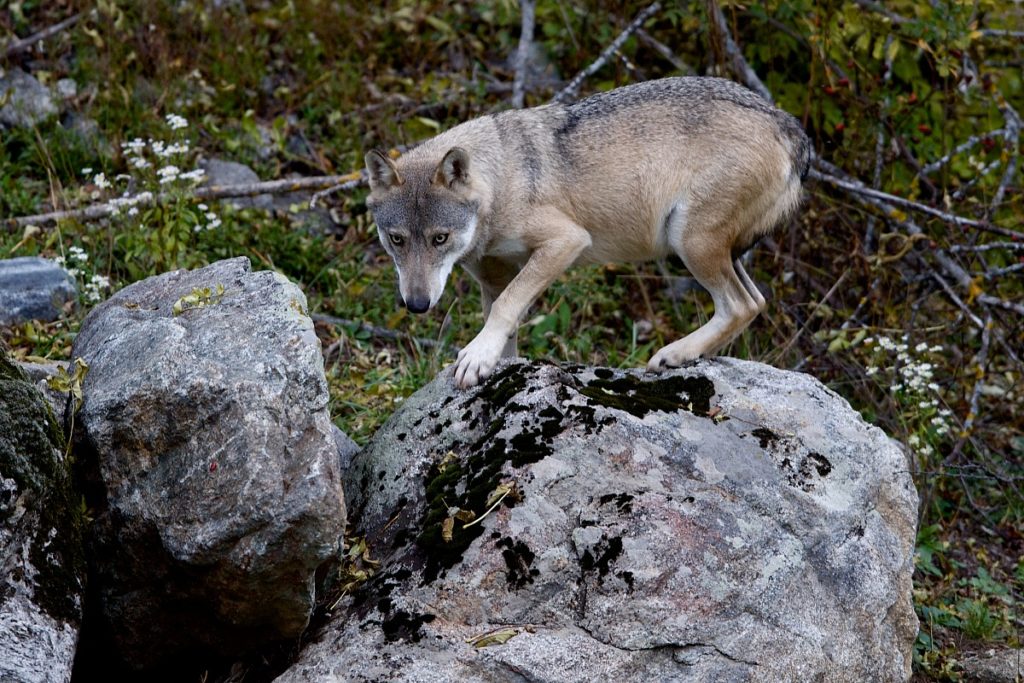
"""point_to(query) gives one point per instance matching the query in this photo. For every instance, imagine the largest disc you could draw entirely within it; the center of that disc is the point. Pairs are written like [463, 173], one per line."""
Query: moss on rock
[31, 454]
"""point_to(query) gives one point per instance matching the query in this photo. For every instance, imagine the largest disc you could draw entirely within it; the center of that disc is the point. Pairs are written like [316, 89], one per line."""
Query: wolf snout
[418, 303]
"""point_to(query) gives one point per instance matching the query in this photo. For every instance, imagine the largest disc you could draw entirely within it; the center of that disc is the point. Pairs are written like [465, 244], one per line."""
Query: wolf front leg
[494, 274]
[555, 242]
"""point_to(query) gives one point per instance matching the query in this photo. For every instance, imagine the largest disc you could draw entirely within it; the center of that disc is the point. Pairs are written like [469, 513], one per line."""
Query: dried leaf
[498, 637]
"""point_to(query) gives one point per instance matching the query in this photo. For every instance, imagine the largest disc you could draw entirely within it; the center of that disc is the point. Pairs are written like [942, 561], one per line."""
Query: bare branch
[528, 8]
[877, 8]
[24, 44]
[740, 66]
[1012, 246]
[569, 92]
[1012, 141]
[1001, 33]
[286, 186]
[960, 149]
[860, 188]
[666, 52]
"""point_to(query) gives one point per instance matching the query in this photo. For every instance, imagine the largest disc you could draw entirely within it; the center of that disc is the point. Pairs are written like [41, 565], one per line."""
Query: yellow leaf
[973, 290]
[499, 637]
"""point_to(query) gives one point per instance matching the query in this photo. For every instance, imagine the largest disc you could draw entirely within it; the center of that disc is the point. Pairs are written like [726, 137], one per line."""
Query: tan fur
[690, 166]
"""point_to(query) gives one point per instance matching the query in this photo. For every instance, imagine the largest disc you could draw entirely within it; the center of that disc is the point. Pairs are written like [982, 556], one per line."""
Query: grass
[304, 87]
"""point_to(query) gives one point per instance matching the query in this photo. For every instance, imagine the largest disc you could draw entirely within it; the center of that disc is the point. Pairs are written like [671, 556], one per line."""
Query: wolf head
[426, 218]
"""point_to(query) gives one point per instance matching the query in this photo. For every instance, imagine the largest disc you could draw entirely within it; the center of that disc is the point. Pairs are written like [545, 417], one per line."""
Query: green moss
[468, 483]
[639, 397]
[31, 447]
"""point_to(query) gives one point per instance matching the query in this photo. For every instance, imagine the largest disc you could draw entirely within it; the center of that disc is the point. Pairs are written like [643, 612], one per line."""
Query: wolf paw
[476, 362]
[672, 356]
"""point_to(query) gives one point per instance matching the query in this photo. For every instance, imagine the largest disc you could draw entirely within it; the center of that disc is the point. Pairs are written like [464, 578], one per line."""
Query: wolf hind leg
[736, 298]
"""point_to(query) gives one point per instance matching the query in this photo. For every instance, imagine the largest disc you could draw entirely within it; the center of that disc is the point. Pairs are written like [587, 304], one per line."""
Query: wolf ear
[382, 172]
[454, 168]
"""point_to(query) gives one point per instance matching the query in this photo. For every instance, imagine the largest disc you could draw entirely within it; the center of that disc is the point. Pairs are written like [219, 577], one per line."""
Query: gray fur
[697, 166]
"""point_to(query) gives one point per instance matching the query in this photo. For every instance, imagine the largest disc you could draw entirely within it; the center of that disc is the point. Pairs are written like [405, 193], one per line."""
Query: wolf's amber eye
[397, 240]
[440, 238]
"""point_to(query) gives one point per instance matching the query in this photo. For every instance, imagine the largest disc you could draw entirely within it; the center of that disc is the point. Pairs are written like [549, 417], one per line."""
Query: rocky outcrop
[42, 569]
[214, 468]
[725, 522]
[33, 288]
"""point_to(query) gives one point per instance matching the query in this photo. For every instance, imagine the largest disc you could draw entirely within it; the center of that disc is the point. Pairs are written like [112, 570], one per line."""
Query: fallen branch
[286, 186]
[569, 92]
[528, 8]
[384, 333]
[960, 149]
[862, 189]
[24, 44]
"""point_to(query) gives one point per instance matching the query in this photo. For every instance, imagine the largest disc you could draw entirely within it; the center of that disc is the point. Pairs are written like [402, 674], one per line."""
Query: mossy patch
[31, 447]
[639, 397]
[468, 481]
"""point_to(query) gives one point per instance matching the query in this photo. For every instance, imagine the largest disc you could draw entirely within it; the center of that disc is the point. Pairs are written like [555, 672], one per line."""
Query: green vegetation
[304, 87]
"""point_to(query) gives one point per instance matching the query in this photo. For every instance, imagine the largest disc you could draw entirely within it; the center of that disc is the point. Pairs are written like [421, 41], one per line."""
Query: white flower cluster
[213, 220]
[94, 288]
[130, 202]
[76, 257]
[176, 122]
[143, 154]
[913, 378]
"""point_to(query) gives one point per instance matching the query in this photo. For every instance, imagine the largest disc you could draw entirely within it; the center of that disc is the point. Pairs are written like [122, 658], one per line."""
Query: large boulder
[42, 568]
[724, 522]
[33, 288]
[213, 464]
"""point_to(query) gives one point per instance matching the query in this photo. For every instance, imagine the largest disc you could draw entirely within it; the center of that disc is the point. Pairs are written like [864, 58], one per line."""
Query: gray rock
[347, 448]
[222, 172]
[66, 88]
[33, 288]
[42, 568]
[724, 522]
[29, 102]
[209, 430]
[996, 665]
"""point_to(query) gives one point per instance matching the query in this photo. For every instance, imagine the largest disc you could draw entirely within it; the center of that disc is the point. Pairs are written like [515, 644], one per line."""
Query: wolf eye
[440, 238]
[396, 240]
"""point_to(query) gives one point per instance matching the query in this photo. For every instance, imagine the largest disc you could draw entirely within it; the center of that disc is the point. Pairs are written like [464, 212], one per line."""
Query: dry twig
[24, 44]
[528, 8]
[568, 93]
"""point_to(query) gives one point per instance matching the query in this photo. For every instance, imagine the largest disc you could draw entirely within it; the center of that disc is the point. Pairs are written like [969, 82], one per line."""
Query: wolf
[700, 167]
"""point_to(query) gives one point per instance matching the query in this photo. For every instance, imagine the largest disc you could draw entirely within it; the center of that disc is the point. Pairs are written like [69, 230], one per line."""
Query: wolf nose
[418, 304]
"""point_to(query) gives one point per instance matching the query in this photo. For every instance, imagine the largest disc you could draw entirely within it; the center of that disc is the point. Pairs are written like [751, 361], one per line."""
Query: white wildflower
[100, 180]
[168, 173]
[176, 122]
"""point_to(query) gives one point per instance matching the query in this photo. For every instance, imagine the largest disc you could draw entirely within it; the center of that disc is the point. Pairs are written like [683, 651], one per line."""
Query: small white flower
[176, 122]
[202, 207]
[195, 176]
[168, 173]
[921, 348]
[871, 370]
[139, 162]
[935, 349]
[914, 440]
[100, 180]
[87, 170]
[134, 211]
